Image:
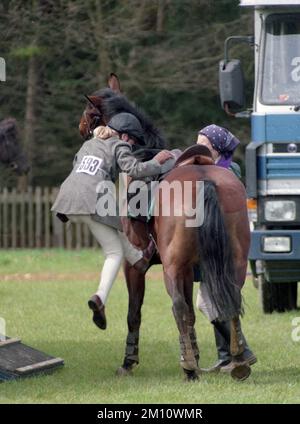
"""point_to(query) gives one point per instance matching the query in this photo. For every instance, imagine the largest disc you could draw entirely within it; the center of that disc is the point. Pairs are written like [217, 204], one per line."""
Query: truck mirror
[231, 84]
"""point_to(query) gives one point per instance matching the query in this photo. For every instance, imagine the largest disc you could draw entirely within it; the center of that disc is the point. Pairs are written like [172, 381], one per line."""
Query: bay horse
[220, 245]
[11, 153]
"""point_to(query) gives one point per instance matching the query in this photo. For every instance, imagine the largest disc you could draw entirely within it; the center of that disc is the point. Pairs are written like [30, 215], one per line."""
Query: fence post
[30, 218]
[86, 236]
[69, 235]
[13, 201]
[78, 235]
[47, 216]
[23, 201]
[58, 226]
[5, 218]
[38, 217]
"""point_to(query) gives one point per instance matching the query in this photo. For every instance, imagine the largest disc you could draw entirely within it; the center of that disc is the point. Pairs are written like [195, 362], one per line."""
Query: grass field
[43, 296]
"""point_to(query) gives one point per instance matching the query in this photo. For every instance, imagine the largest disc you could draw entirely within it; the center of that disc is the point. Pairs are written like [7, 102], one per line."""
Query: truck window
[280, 81]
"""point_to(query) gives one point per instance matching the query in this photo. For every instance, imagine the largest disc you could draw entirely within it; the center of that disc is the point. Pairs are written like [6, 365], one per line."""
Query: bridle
[92, 120]
[95, 120]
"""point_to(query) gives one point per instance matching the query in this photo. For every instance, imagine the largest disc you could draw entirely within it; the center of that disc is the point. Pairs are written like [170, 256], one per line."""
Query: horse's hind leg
[176, 282]
[136, 290]
[241, 370]
[191, 375]
[237, 225]
[234, 338]
[191, 321]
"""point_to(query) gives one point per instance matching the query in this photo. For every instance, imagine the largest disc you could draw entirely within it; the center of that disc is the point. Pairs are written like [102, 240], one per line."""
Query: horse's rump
[231, 192]
[220, 243]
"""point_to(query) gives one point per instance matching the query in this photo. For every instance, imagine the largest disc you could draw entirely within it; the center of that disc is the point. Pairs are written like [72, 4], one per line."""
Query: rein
[96, 120]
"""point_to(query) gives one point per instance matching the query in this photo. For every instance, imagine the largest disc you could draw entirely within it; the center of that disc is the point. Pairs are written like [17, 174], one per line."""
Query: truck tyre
[255, 282]
[292, 296]
[266, 294]
[278, 297]
[254, 274]
[285, 295]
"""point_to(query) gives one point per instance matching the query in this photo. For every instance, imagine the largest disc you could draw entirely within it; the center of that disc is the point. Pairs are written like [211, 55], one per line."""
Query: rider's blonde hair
[103, 132]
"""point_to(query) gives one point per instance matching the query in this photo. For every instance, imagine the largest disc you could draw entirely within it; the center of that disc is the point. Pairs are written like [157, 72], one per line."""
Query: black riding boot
[222, 337]
[223, 342]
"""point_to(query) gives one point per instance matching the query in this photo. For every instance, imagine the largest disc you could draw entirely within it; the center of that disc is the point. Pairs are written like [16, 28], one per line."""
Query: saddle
[195, 155]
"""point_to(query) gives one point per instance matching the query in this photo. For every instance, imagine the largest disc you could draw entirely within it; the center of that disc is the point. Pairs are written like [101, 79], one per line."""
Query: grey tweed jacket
[96, 161]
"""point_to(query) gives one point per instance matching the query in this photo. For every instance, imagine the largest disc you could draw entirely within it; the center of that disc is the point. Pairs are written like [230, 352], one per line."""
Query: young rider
[98, 160]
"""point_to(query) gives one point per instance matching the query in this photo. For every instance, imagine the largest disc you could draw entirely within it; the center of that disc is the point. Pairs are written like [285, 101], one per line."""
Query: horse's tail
[216, 259]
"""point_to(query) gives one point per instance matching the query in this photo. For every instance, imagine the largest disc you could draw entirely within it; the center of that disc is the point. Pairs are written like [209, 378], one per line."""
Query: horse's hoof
[240, 372]
[189, 365]
[123, 372]
[191, 375]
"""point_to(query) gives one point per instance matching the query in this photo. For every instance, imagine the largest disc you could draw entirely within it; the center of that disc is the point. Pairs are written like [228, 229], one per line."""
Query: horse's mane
[104, 93]
[114, 103]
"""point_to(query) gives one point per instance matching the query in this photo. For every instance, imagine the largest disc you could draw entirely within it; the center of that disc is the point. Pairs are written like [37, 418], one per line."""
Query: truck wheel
[266, 294]
[292, 296]
[279, 297]
[285, 296]
[255, 282]
[254, 274]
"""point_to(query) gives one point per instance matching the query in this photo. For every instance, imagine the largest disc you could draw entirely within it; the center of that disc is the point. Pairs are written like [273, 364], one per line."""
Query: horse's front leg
[136, 290]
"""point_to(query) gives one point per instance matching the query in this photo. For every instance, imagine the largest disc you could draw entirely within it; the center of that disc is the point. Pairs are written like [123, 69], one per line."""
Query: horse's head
[91, 118]
[104, 104]
[94, 113]
[11, 152]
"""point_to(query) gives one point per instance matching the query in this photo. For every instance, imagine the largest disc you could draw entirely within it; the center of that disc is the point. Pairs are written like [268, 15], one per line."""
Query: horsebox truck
[272, 158]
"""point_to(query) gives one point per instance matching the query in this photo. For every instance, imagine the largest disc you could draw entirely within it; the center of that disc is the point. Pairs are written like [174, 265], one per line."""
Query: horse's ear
[114, 83]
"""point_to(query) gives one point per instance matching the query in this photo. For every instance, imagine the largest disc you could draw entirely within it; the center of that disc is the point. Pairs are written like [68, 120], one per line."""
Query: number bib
[89, 165]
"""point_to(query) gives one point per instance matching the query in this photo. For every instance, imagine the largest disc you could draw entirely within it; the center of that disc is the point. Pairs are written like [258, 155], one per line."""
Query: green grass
[51, 314]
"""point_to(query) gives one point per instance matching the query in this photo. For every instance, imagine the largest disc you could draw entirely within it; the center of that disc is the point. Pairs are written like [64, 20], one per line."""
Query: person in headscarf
[222, 144]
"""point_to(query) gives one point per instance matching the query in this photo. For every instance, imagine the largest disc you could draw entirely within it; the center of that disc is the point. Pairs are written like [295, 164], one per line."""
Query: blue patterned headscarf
[223, 141]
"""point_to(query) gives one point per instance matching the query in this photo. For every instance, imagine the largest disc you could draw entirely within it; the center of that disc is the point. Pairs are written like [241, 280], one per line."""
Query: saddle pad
[150, 206]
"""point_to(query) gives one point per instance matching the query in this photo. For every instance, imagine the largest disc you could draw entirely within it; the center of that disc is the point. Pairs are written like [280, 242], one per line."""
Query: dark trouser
[222, 337]
[222, 345]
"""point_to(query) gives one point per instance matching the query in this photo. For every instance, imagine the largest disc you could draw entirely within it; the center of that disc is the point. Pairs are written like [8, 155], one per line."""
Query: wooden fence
[26, 221]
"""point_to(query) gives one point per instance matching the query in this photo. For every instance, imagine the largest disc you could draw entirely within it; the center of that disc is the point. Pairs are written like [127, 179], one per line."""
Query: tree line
[165, 52]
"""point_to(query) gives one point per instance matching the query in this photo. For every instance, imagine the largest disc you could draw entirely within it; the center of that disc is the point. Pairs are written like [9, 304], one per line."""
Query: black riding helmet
[127, 123]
